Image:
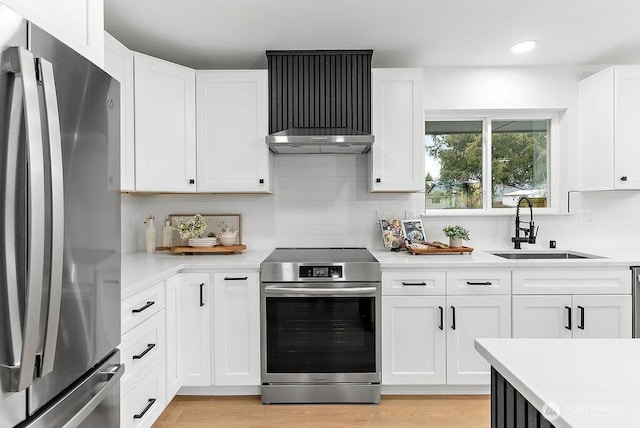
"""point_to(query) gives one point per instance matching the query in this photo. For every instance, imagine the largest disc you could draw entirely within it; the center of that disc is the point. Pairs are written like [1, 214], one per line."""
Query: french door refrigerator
[59, 233]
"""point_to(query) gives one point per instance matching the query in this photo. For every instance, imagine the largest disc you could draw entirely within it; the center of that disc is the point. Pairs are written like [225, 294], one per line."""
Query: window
[487, 163]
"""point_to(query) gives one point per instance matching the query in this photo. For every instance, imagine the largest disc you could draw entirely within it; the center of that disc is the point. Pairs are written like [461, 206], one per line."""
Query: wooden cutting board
[433, 250]
[218, 249]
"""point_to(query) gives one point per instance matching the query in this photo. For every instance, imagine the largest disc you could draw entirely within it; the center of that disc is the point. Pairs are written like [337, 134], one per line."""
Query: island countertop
[589, 382]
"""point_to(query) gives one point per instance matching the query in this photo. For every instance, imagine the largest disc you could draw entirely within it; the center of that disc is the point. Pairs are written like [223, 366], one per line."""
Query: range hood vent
[320, 101]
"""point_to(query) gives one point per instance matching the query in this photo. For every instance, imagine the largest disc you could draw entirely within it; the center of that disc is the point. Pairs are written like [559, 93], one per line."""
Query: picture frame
[413, 231]
[212, 220]
[391, 233]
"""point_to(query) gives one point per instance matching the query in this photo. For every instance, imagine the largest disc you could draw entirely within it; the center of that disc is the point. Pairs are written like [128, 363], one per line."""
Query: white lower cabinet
[195, 329]
[142, 406]
[578, 316]
[470, 318]
[173, 337]
[236, 335]
[413, 340]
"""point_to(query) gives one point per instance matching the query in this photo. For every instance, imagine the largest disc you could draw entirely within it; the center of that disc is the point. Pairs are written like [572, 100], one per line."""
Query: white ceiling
[402, 33]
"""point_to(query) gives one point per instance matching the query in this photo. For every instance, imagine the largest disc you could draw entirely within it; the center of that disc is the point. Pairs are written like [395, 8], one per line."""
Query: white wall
[322, 200]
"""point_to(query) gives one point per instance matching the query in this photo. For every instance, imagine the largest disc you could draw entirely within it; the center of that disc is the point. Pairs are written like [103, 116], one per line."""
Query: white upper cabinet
[231, 130]
[78, 23]
[118, 62]
[609, 112]
[396, 160]
[165, 131]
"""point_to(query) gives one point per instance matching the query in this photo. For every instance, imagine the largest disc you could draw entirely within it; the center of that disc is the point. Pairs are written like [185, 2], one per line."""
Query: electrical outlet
[586, 217]
[380, 216]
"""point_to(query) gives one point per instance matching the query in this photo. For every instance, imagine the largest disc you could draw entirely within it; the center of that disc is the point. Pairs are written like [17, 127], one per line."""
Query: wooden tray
[433, 250]
[218, 249]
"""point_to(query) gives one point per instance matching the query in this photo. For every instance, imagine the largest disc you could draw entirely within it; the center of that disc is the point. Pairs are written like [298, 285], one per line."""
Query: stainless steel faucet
[530, 233]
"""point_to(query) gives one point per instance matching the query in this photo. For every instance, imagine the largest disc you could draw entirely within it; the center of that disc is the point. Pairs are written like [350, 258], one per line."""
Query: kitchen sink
[554, 255]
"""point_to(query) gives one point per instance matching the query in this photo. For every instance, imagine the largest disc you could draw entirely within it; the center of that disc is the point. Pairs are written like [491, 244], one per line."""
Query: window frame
[486, 117]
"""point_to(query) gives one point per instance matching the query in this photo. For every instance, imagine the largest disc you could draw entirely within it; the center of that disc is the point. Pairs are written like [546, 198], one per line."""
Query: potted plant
[227, 234]
[192, 230]
[456, 234]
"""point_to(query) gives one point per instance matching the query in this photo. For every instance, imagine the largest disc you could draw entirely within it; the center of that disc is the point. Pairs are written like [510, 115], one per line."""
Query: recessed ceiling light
[524, 46]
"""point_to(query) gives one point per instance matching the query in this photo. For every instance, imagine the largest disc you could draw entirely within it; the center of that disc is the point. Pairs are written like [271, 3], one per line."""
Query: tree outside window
[516, 152]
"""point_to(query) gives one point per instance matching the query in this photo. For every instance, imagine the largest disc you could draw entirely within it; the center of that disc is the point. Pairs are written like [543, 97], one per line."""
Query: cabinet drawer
[142, 349]
[142, 406]
[479, 282]
[572, 281]
[411, 283]
[142, 306]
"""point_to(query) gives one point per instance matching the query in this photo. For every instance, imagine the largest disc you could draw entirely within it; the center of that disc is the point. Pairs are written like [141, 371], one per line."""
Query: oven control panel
[328, 272]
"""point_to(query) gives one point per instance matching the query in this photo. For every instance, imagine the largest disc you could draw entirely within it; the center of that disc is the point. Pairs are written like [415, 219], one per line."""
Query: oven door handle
[311, 291]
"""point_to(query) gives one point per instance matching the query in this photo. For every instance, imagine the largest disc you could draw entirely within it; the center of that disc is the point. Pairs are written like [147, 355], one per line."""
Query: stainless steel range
[320, 329]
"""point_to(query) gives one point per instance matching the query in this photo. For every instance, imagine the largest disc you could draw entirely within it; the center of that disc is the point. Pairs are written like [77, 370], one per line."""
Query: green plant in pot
[456, 235]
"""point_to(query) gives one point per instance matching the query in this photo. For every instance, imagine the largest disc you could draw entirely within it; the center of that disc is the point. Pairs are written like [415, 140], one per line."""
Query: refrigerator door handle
[57, 215]
[22, 64]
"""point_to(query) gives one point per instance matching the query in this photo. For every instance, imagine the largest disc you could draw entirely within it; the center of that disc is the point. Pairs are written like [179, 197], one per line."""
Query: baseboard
[436, 389]
[220, 390]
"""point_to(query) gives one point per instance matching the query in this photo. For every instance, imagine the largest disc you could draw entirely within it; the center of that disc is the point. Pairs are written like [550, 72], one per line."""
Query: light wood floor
[459, 411]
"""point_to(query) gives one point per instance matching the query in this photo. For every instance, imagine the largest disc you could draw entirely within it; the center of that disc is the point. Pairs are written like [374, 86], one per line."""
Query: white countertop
[590, 382]
[140, 270]
[484, 259]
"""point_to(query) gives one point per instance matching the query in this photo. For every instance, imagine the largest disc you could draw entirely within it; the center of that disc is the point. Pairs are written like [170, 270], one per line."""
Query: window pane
[453, 164]
[519, 162]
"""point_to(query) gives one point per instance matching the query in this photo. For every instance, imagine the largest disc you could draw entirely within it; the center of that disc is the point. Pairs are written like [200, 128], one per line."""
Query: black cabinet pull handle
[378, 180]
[239, 278]
[453, 317]
[143, 353]
[479, 283]
[138, 310]
[192, 181]
[150, 403]
[581, 325]
[568, 326]
[202, 294]
[422, 284]
[624, 178]
[441, 326]
[261, 181]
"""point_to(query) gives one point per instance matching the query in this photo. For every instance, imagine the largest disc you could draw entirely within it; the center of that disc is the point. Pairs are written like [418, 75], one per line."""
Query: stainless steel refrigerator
[59, 233]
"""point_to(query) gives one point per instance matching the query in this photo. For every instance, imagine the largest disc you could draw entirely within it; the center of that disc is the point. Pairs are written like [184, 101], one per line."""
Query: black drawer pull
[568, 326]
[479, 283]
[624, 178]
[138, 310]
[441, 326]
[453, 318]
[240, 278]
[150, 403]
[581, 325]
[143, 353]
[202, 294]
[419, 284]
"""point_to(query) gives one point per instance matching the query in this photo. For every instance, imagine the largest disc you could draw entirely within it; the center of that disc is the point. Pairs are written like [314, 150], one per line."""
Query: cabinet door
[542, 317]
[602, 317]
[77, 23]
[173, 312]
[232, 125]
[627, 109]
[118, 62]
[165, 149]
[470, 318]
[397, 155]
[236, 311]
[413, 340]
[195, 329]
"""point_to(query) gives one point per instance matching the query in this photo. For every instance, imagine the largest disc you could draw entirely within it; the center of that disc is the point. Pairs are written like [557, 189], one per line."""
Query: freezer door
[12, 176]
[89, 127]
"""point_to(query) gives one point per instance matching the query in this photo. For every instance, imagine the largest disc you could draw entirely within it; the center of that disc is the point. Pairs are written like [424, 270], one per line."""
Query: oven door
[320, 332]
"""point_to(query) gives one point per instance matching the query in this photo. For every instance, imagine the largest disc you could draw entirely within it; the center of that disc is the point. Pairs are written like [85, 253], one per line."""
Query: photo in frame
[413, 231]
[213, 226]
[392, 233]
